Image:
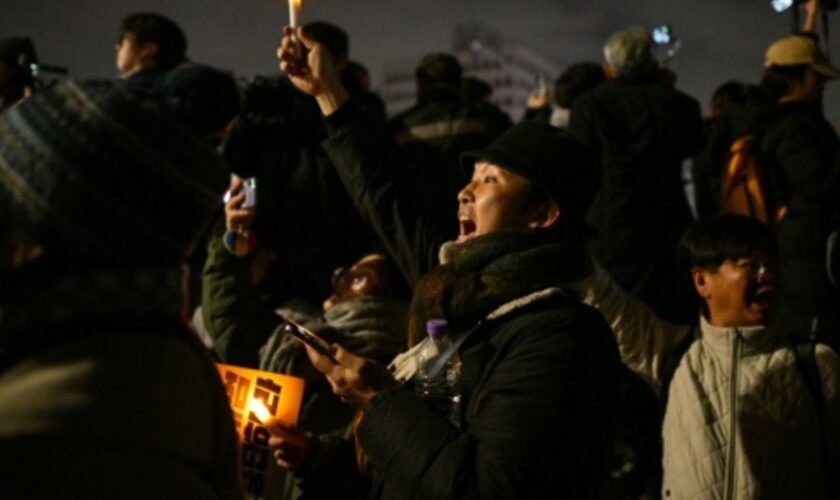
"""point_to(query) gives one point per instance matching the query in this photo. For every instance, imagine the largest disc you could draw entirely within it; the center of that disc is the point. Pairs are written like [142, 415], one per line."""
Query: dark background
[722, 39]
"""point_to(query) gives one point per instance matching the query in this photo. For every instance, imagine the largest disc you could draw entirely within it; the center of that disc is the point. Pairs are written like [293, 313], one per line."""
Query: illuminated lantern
[257, 398]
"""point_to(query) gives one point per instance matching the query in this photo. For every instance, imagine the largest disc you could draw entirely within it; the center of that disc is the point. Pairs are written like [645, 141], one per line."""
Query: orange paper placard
[257, 398]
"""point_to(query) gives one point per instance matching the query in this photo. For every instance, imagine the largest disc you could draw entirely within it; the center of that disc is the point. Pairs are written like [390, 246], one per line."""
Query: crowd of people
[613, 341]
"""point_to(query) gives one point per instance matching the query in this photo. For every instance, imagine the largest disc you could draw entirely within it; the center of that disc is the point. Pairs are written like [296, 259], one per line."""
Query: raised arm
[645, 340]
[234, 316]
[812, 10]
[365, 160]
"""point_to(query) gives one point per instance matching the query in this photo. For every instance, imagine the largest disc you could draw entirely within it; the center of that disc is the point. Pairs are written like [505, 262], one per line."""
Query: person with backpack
[798, 146]
[749, 412]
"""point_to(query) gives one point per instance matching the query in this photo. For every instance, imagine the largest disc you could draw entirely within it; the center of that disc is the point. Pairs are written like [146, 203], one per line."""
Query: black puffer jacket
[537, 387]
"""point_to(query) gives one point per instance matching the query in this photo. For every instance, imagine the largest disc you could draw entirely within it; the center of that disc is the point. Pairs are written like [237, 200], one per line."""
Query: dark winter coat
[104, 393]
[799, 145]
[643, 130]
[538, 372]
[237, 314]
[536, 387]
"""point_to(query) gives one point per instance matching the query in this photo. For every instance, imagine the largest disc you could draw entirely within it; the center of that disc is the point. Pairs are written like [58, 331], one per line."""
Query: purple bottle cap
[437, 327]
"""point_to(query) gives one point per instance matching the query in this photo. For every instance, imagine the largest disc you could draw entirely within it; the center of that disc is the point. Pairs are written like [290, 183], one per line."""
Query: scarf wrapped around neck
[482, 274]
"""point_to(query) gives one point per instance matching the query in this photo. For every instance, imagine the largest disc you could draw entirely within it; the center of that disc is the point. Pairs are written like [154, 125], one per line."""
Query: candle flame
[296, 3]
[259, 409]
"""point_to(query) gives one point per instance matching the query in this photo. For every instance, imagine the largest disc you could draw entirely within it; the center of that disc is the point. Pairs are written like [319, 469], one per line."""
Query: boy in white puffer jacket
[740, 420]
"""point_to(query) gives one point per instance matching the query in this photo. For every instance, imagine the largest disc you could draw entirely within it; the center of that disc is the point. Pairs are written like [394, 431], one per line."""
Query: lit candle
[294, 11]
[259, 409]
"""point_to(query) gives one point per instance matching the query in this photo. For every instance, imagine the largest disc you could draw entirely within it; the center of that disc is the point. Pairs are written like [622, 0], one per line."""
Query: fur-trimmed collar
[525, 301]
[495, 274]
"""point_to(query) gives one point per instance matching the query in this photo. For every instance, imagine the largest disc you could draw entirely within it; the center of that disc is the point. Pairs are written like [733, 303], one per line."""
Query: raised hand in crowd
[237, 217]
[539, 97]
[310, 68]
[812, 10]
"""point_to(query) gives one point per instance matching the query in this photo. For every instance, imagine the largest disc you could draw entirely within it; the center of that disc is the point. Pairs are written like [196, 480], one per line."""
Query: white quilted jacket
[740, 422]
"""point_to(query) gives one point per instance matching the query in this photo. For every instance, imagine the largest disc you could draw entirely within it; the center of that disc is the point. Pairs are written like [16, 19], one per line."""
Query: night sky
[722, 39]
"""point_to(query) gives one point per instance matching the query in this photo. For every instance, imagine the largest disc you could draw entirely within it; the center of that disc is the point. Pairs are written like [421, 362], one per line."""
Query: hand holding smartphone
[309, 338]
[249, 187]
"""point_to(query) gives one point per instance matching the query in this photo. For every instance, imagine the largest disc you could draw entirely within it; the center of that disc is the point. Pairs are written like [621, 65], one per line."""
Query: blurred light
[259, 409]
[781, 5]
[661, 35]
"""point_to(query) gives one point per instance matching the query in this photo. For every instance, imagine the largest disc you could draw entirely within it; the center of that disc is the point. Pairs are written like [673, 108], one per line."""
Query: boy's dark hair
[151, 27]
[777, 80]
[330, 36]
[710, 242]
[576, 80]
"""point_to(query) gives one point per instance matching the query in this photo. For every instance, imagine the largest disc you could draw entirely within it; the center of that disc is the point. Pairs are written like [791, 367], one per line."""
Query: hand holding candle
[263, 404]
[310, 67]
[291, 445]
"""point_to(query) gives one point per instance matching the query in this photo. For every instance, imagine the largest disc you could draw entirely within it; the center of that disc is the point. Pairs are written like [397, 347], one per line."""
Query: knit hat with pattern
[99, 172]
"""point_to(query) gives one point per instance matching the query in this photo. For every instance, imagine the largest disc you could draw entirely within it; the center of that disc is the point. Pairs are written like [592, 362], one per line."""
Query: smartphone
[309, 338]
[249, 187]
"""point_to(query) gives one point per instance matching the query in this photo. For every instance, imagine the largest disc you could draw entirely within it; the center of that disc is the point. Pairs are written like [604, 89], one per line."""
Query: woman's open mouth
[467, 229]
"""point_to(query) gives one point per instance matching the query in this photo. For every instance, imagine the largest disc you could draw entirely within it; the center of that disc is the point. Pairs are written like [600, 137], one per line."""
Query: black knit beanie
[551, 160]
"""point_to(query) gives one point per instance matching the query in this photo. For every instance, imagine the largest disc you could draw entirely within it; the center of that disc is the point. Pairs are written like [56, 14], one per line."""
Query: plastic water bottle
[438, 379]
